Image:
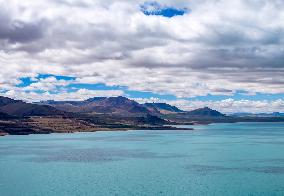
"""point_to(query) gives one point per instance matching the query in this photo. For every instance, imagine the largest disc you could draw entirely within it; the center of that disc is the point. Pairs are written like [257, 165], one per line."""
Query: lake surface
[218, 159]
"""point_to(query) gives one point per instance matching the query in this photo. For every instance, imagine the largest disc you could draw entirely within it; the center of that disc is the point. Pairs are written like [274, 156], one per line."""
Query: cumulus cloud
[79, 95]
[47, 84]
[218, 47]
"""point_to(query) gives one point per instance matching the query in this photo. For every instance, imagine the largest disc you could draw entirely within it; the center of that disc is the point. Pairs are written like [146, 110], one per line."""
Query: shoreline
[33, 131]
[3, 133]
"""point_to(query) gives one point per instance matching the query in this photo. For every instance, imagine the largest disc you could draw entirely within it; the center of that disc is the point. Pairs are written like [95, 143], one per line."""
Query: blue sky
[74, 86]
[154, 8]
[221, 54]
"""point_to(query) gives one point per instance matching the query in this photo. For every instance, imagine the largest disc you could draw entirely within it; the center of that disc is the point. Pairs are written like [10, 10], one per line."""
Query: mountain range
[273, 114]
[103, 113]
[122, 106]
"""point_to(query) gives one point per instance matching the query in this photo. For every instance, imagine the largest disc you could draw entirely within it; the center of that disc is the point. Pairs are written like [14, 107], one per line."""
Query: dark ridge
[13, 107]
[5, 101]
[206, 111]
[162, 107]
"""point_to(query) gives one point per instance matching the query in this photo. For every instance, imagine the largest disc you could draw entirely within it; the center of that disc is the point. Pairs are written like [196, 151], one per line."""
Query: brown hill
[162, 108]
[120, 106]
[22, 109]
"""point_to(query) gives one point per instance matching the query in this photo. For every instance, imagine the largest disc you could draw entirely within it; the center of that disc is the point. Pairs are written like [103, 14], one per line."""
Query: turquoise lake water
[218, 159]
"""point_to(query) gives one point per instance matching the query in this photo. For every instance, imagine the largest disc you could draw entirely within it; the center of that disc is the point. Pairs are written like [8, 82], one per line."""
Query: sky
[228, 55]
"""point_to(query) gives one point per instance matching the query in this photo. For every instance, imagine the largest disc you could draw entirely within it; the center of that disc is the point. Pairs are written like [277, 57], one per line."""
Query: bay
[217, 159]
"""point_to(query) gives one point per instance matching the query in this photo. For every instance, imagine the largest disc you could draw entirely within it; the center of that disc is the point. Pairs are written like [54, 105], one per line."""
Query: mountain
[205, 112]
[5, 101]
[274, 114]
[120, 106]
[241, 114]
[162, 108]
[21, 109]
[200, 116]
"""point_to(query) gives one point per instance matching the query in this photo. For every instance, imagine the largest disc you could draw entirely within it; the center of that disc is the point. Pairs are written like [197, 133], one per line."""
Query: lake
[217, 159]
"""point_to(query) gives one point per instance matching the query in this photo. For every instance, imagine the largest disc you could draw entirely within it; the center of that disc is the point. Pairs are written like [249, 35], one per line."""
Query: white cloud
[79, 95]
[218, 47]
[47, 84]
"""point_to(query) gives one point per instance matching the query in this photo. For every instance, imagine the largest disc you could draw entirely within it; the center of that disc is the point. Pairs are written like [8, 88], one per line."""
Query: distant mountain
[240, 114]
[274, 114]
[21, 109]
[205, 112]
[162, 108]
[106, 113]
[121, 106]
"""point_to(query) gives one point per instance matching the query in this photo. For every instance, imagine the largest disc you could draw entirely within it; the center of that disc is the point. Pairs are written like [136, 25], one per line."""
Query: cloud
[17, 31]
[47, 84]
[217, 48]
[79, 95]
